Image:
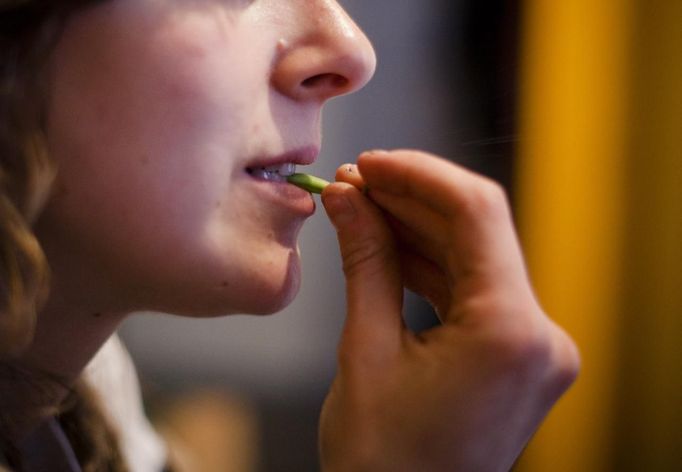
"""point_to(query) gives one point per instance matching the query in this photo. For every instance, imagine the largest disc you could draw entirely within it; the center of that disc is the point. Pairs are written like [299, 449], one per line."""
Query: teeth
[274, 173]
[286, 169]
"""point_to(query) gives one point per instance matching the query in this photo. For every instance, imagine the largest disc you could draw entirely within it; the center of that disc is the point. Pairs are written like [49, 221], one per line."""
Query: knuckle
[523, 346]
[567, 364]
[524, 355]
[544, 356]
[486, 197]
[364, 254]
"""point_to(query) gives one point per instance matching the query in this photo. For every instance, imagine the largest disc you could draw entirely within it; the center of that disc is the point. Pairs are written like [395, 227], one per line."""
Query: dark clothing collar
[47, 448]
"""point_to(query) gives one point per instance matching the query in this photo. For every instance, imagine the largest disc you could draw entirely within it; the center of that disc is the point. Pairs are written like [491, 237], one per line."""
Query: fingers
[424, 177]
[454, 218]
[466, 216]
[419, 218]
[350, 174]
[415, 225]
[374, 287]
[420, 241]
[427, 280]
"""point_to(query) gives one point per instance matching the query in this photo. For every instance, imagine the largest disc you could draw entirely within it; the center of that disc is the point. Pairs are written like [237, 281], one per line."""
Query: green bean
[308, 182]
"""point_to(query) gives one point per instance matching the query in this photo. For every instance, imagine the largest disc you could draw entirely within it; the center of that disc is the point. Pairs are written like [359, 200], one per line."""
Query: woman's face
[163, 115]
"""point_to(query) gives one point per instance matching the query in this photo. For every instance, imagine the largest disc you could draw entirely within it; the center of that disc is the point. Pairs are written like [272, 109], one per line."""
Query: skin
[156, 109]
[153, 129]
[466, 395]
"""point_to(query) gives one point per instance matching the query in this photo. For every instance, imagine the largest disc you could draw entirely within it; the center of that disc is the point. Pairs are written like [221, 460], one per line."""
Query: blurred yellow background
[599, 187]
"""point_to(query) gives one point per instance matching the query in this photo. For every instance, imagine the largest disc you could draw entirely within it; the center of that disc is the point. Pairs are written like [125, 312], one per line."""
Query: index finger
[438, 183]
[482, 251]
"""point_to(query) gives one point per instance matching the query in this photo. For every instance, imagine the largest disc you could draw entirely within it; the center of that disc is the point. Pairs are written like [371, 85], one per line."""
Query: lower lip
[285, 195]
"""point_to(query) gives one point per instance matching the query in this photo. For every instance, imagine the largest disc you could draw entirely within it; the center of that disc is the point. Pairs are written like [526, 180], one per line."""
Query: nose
[326, 56]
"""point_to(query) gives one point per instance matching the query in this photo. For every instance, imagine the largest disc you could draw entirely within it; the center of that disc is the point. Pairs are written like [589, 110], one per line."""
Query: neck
[33, 385]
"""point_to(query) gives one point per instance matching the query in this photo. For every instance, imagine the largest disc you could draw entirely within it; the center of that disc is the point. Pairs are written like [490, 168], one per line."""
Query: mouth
[273, 173]
[276, 169]
[269, 178]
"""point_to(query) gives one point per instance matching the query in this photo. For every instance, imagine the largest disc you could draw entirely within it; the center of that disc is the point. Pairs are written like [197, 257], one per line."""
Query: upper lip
[300, 156]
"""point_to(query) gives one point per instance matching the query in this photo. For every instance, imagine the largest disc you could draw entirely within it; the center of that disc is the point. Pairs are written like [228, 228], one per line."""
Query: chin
[262, 290]
[255, 299]
[268, 305]
[270, 298]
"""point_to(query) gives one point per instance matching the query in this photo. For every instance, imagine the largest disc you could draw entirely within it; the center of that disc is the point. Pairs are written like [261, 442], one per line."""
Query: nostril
[332, 80]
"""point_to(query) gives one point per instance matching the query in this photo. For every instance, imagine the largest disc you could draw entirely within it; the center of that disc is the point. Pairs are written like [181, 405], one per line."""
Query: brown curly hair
[29, 30]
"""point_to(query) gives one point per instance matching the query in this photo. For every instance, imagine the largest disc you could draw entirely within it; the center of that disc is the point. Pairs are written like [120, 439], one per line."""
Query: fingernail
[339, 209]
[351, 169]
[376, 152]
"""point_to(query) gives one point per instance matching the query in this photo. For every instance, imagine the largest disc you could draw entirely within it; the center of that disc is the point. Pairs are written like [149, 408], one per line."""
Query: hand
[466, 395]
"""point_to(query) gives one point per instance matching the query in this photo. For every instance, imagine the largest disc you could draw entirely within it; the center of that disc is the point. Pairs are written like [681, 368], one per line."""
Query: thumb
[374, 289]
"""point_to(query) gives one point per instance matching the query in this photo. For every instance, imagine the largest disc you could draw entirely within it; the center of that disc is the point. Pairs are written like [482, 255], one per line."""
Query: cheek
[156, 81]
[258, 254]
[265, 281]
[148, 132]
[165, 254]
